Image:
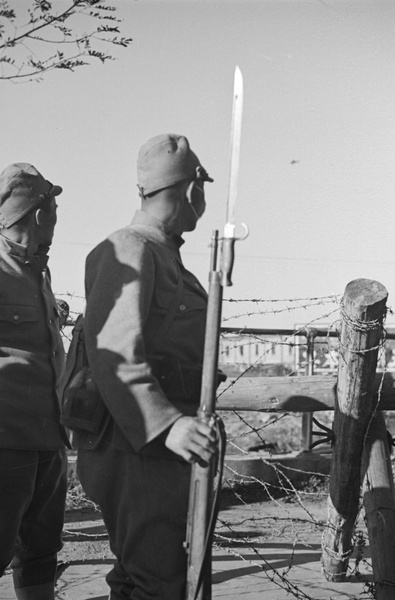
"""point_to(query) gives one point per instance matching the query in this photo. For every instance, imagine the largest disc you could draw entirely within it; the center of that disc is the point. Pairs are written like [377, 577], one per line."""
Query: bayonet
[229, 237]
[235, 137]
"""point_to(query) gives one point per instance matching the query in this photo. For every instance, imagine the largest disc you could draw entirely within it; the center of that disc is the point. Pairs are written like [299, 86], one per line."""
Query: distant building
[240, 349]
[291, 352]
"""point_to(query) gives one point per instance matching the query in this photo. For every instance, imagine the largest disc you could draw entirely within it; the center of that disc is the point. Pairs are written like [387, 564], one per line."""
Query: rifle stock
[201, 518]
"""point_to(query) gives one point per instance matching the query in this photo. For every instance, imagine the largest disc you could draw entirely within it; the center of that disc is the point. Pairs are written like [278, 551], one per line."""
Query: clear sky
[317, 179]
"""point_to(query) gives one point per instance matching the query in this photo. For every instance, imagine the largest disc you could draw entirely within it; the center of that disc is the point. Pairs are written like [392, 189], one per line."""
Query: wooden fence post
[363, 311]
[307, 417]
[379, 504]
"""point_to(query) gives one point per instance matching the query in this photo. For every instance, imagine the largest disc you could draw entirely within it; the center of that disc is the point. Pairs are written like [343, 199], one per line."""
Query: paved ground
[267, 549]
[233, 582]
[233, 578]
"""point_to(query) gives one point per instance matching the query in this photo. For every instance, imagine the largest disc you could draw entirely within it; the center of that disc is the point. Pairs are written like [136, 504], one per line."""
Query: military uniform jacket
[31, 352]
[145, 318]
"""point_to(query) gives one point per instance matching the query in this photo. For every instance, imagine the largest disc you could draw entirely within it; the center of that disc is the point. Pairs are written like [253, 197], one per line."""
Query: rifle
[203, 501]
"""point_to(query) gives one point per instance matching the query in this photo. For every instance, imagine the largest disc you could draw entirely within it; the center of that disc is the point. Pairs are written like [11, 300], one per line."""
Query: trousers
[144, 503]
[32, 503]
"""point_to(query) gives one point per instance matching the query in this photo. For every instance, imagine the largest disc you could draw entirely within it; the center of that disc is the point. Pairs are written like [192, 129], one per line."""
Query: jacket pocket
[191, 302]
[18, 313]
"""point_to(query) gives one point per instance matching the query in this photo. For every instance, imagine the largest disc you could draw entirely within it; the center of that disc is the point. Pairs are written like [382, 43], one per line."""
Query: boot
[44, 591]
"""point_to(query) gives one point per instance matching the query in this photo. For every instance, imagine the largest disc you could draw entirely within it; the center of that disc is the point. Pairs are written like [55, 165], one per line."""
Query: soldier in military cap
[33, 465]
[144, 333]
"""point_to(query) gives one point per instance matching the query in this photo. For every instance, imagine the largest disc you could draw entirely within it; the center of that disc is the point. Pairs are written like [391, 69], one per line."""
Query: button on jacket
[31, 352]
[141, 303]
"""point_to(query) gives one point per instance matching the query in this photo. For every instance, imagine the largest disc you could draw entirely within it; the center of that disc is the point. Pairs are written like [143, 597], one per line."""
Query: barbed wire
[273, 311]
[332, 297]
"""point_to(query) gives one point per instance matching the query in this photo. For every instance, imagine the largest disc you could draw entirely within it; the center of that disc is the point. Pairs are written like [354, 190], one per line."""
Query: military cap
[166, 160]
[22, 189]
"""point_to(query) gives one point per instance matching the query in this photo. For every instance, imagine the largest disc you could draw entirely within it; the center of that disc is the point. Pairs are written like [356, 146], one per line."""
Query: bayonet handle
[227, 260]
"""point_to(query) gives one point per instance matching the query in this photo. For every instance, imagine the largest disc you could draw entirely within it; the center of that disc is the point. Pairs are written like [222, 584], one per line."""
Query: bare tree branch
[90, 24]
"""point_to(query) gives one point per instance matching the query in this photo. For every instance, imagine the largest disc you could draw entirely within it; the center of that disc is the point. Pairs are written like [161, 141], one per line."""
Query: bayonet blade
[235, 136]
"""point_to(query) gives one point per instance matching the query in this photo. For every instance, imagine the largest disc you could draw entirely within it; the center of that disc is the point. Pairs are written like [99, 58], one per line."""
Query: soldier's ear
[38, 216]
[189, 190]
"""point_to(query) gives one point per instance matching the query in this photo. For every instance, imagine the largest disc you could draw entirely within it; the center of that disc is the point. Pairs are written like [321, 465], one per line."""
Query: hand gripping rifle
[203, 501]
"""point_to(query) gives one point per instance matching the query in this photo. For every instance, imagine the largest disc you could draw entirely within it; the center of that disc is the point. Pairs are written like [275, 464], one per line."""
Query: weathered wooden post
[307, 417]
[379, 504]
[363, 311]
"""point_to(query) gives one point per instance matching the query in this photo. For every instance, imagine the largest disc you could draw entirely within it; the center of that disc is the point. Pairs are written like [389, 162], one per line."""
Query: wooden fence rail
[296, 394]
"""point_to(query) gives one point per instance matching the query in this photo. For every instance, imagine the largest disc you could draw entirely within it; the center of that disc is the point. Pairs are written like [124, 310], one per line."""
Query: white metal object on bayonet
[229, 237]
[235, 137]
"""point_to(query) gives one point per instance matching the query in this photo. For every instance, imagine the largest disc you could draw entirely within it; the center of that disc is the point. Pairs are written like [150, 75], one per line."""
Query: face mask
[195, 197]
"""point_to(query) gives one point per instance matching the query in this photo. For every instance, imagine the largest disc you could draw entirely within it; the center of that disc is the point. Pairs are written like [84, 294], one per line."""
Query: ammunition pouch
[83, 408]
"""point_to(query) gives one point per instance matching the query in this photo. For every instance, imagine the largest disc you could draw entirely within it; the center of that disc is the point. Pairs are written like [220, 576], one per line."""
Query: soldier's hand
[192, 439]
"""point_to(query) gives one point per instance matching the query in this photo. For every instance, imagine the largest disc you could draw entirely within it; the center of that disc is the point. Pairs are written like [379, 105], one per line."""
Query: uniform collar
[19, 251]
[12, 247]
[143, 218]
